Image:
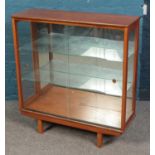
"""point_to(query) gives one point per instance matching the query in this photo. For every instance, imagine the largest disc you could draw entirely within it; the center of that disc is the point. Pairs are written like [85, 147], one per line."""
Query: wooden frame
[129, 24]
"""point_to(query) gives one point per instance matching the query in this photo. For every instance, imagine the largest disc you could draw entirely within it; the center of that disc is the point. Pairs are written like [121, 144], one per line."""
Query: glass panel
[95, 75]
[26, 62]
[129, 101]
[73, 72]
[46, 70]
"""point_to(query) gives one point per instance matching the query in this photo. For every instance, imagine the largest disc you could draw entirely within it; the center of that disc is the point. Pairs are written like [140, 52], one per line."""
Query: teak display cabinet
[77, 69]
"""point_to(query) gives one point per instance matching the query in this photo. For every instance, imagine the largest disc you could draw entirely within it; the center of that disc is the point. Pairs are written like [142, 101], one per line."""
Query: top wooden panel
[75, 17]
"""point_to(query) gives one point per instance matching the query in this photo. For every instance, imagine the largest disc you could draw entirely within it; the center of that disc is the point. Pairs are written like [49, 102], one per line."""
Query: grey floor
[22, 138]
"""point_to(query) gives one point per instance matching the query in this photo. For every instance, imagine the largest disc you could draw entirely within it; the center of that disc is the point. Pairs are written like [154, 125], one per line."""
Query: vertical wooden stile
[125, 73]
[135, 66]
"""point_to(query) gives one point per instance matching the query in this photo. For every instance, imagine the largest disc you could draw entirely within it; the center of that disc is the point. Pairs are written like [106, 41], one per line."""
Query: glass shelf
[80, 82]
[83, 69]
[107, 49]
[80, 76]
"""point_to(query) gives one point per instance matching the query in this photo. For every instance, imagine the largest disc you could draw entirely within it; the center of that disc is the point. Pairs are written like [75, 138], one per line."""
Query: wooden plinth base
[99, 139]
[40, 129]
[40, 126]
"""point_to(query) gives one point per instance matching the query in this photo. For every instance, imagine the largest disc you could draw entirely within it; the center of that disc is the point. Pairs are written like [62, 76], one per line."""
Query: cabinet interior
[78, 71]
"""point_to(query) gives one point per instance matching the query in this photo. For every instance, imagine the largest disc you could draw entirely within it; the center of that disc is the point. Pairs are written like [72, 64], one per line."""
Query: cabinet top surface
[75, 17]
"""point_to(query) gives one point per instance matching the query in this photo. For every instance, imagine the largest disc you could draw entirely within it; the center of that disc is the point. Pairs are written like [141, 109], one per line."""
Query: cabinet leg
[99, 139]
[40, 126]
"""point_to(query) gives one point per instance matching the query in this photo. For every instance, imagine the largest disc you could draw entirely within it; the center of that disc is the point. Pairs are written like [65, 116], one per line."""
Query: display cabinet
[77, 69]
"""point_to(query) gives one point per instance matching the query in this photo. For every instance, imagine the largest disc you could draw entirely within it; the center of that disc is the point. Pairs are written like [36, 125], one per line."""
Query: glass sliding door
[46, 47]
[95, 75]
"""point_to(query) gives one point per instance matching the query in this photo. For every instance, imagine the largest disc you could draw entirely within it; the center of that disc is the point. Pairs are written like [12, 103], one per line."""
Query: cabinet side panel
[17, 59]
[130, 84]
[26, 59]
